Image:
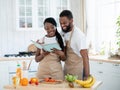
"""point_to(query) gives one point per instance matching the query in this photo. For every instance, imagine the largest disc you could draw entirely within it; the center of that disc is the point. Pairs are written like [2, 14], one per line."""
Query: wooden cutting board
[44, 86]
[55, 82]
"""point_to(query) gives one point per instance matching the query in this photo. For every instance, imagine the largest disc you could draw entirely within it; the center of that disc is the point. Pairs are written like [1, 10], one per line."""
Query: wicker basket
[32, 48]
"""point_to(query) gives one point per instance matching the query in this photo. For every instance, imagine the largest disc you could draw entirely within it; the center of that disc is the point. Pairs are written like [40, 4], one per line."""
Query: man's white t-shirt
[78, 40]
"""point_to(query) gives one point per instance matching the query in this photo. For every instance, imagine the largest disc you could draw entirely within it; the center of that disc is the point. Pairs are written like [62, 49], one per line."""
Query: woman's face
[50, 29]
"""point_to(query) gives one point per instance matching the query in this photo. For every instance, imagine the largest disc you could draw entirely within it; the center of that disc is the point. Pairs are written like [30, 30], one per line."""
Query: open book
[47, 47]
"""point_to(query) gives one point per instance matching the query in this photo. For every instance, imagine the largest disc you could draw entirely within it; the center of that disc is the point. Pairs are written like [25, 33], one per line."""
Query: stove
[20, 54]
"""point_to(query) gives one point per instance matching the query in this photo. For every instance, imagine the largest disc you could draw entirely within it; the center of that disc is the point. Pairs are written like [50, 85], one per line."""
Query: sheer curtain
[78, 9]
[101, 24]
[83, 15]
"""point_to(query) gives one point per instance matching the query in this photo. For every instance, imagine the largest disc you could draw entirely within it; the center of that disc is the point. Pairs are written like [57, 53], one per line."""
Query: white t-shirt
[48, 40]
[78, 40]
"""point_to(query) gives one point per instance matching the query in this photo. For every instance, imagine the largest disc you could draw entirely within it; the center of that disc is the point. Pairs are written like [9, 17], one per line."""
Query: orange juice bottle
[19, 72]
[16, 81]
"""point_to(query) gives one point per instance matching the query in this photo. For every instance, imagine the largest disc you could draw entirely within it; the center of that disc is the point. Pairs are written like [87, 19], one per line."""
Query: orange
[24, 81]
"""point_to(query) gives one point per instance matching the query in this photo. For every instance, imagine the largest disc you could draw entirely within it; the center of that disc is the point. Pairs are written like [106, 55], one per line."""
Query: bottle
[24, 70]
[16, 81]
[19, 72]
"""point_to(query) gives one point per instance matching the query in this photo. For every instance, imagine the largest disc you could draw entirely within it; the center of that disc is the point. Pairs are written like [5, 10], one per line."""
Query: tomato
[46, 79]
[52, 80]
[49, 80]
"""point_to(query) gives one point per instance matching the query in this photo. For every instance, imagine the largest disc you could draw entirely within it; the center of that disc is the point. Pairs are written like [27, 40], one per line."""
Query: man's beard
[67, 29]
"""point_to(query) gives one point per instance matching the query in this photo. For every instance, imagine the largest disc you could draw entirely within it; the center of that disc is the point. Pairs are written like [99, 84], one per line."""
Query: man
[77, 62]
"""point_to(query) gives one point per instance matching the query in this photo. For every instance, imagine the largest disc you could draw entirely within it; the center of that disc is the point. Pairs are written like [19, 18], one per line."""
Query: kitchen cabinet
[107, 72]
[8, 70]
[4, 77]
[31, 73]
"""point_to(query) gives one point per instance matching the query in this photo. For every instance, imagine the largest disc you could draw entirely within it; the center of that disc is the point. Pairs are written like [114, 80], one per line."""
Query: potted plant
[118, 33]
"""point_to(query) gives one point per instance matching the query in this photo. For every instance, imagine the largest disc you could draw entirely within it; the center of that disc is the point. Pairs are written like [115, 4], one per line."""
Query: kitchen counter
[104, 59]
[62, 86]
[16, 58]
[91, 57]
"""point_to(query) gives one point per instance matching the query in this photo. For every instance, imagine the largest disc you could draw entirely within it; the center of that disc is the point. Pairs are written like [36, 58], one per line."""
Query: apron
[50, 66]
[73, 63]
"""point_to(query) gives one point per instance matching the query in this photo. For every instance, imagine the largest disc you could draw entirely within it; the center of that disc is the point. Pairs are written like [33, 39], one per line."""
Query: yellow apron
[50, 66]
[73, 63]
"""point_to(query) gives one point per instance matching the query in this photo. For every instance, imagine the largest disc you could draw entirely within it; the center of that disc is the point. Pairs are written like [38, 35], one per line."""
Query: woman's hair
[58, 36]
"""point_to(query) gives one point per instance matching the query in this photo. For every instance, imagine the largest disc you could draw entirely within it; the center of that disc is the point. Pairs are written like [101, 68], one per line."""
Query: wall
[11, 40]
[75, 8]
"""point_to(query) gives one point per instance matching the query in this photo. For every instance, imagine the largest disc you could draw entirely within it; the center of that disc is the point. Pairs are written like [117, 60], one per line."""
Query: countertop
[104, 59]
[91, 58]
[62, 86]
[16, 58]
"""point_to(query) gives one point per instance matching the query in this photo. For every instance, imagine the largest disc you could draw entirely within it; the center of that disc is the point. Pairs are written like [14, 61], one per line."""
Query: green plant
[118, 31]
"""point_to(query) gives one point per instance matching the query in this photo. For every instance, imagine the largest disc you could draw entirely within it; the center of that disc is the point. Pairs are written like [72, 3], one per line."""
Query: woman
[50, 62]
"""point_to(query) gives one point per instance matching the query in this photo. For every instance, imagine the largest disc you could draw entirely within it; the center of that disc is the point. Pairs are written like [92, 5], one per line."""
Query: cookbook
[47, 47]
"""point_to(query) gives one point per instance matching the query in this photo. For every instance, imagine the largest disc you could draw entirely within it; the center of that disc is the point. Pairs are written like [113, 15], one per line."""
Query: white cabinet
[8, 70]
[109, 73]
[31, 73]
[4, 77]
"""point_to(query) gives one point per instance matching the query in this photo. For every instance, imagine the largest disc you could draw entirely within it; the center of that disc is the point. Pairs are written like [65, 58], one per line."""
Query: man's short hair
[66, 13]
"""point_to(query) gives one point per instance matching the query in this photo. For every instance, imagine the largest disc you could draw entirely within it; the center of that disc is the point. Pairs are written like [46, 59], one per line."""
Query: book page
[37, 44]
[47, 47]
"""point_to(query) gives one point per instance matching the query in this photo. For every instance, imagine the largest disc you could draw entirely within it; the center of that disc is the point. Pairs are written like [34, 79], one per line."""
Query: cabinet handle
[100, 62]
[100, 72]
[115, 64]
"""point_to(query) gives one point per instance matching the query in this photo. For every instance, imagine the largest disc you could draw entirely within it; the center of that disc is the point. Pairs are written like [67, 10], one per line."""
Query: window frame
[35, 26]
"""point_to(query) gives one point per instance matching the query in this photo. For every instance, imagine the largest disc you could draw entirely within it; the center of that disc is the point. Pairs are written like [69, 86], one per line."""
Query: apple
[34, 80]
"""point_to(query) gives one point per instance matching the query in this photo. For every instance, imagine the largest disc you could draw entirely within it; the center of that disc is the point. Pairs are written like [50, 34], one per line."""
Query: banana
[90, 84]
[81, 82]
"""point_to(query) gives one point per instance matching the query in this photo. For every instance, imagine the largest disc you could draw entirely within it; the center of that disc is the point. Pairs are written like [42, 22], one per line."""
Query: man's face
[65, 24]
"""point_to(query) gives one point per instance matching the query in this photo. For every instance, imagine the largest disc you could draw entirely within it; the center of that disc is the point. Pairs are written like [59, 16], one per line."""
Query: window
[24, 14]
[102, 16]
[30, 14]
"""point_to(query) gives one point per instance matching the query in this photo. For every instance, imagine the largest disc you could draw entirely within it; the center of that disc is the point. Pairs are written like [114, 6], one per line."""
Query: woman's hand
[59, 53]
[44, 53]
[40, 42]
[40, 54]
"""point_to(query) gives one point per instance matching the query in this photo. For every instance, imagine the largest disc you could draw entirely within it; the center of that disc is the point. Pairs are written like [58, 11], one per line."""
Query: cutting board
[46, 86]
